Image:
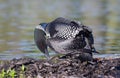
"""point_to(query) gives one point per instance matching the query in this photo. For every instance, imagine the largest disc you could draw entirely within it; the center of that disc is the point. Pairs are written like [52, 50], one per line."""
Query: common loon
[63, 35]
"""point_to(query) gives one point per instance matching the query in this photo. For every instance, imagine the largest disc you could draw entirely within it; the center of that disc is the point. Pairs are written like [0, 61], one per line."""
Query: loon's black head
[43, 25]
[40, 39]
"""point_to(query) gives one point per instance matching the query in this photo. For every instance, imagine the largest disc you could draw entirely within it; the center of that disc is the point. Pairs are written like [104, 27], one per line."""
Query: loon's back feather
[63, 28]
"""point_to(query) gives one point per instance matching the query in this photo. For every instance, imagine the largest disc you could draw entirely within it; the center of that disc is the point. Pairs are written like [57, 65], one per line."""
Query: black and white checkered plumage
[63, 28]
[65, 34]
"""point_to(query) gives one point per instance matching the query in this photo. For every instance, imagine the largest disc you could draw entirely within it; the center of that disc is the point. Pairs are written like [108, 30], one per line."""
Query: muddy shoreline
[65, 67]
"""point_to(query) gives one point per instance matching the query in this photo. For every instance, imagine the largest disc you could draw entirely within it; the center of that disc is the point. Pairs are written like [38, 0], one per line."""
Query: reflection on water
[18, 19]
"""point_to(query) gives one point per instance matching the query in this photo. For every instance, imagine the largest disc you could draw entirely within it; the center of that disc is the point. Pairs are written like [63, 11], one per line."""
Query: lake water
[18, 19]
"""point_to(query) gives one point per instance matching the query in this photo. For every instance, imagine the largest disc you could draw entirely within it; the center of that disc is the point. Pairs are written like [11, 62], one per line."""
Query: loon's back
[63, 28]
[65, 34]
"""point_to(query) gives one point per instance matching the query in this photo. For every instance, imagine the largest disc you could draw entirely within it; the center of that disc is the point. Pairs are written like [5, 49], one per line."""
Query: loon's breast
[62, 46]
[59, 46]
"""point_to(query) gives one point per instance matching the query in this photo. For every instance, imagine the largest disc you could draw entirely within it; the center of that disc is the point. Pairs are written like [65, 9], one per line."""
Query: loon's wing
[63, 28]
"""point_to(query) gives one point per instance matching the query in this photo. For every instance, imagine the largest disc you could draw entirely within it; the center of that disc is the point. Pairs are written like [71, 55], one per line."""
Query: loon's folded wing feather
[63, 28]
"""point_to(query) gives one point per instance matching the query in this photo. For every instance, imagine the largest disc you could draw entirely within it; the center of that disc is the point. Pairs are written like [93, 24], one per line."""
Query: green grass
[22, 72]
[11, 73]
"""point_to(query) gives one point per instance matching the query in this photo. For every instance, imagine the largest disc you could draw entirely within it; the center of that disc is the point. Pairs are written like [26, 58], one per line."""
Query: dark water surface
[18, 19]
